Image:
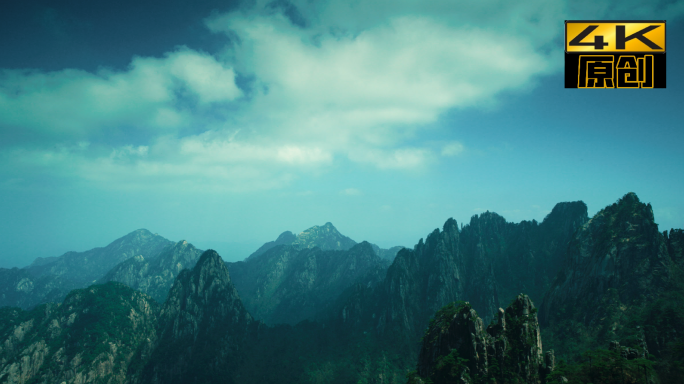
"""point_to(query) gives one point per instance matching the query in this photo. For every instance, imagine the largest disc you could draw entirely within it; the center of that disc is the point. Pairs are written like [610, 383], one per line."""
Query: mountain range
[320, 308]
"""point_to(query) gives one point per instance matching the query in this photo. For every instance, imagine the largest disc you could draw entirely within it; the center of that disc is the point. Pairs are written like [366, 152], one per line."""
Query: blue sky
[225, 124]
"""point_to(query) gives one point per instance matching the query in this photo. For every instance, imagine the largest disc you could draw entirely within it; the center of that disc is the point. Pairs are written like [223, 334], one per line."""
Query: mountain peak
[204, 326]
[630, 196]
[138, 236]
[326, 237]
[457, 345]
[210, 259]
[286, 237]
[565, 207]
[450, 224]
[620, 248]
[627, 208]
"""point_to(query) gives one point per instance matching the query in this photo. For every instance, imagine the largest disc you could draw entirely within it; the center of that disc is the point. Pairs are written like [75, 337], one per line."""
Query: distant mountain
[51, 279]
[81, 268]
[288, 284]
[155, 276]
[297, 278]
[613, 281]
[285, 238]
[387, 254]
[326, 237]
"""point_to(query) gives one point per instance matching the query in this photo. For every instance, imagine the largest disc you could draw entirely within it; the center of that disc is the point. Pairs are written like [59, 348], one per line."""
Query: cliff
[204, 327]
[458, 348]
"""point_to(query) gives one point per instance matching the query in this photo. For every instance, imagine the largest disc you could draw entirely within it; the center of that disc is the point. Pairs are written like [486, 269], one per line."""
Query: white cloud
[351, 192]
[204, 76]
[402, 158]
[74, 103]
[406, 71]
[453, 148]
[366, 96]
[363, 82]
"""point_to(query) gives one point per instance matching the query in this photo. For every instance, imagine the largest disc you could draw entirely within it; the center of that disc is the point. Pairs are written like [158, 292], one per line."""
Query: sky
[227, 123]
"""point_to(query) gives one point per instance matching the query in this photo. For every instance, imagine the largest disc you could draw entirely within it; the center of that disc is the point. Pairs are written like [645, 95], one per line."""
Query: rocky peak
[207, 282]
[457, 347]
[136, 239]
[178, 256]
[421, 280]
[285, 238]
[364, 246]
[566, 217]
[326, 237]
[619, 249]
[204, 326]
[487, 221]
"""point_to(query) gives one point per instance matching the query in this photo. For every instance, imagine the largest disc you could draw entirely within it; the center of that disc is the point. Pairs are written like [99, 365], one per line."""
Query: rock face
[619, 250]
[51, 279]
[457, 347]
[288, 284]
[204, 327]
[675, 246]
[93, 336]
[155, 276]
[485, 262]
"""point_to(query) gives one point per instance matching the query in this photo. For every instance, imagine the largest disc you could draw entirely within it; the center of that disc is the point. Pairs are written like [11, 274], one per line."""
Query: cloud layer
[321, 82]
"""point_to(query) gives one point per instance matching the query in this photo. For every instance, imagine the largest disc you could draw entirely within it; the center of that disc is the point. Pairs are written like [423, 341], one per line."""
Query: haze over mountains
[142, 260]
[318, 307]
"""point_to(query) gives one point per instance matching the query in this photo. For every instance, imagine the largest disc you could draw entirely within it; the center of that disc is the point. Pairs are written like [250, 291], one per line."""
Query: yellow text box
[615, 36]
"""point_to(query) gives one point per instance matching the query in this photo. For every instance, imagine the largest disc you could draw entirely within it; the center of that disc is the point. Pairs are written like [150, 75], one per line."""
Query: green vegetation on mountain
[612, 310]
[92, 336]
[458, 348]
